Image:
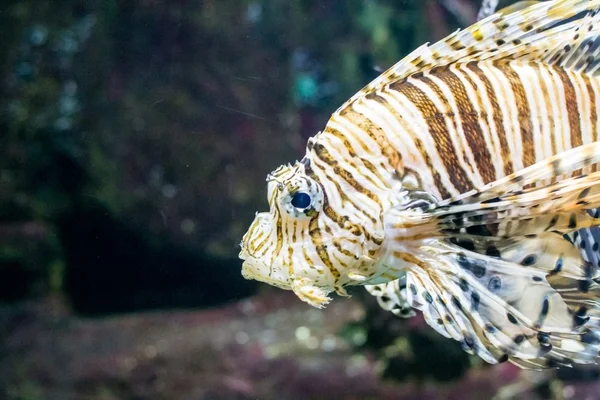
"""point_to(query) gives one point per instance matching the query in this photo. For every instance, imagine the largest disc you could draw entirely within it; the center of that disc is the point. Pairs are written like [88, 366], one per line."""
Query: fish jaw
[310, 281]
[304, 288]
[254, 269]
[260, 265]
[306, 291]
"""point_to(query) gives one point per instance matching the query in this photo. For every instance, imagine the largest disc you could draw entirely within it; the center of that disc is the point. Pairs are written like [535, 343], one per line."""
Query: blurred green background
[136, 137]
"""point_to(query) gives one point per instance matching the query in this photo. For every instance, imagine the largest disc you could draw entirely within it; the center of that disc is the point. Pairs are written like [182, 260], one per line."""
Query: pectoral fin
[306, 291]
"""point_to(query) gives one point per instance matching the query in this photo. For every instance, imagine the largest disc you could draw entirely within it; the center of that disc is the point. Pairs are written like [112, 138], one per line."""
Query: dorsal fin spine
[499, 36]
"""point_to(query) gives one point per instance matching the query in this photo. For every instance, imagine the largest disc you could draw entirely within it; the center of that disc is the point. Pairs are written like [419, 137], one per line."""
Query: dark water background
[135, 137]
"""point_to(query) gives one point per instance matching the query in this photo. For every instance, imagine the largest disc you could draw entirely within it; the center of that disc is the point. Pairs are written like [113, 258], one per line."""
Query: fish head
[303, 244]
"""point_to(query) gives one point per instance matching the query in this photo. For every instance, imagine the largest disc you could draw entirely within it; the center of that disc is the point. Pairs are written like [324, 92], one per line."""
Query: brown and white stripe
[469, 124]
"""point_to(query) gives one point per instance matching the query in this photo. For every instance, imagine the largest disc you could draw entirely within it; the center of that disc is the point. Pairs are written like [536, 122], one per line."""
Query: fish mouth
[257, 264]
[255, 269]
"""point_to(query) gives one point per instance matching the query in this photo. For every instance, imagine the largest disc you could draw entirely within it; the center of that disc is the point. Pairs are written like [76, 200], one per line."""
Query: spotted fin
[501, 310]
[582, 297]
[499, 276]
[549, 252]
[550, 31]
[392, 296]
[587, 241]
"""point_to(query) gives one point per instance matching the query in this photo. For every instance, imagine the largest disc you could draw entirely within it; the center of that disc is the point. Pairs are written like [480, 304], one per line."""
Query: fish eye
[301, 200]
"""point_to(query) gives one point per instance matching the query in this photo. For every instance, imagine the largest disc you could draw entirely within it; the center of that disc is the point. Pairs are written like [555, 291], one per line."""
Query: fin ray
[529, 33]
[391, 296]
[500, 310]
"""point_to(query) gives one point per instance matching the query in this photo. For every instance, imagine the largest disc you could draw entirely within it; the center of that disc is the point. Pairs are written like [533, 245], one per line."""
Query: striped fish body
[460, 127]
[450, 183]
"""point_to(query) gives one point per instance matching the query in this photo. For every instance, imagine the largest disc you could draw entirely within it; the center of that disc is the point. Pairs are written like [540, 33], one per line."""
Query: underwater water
[136, 137]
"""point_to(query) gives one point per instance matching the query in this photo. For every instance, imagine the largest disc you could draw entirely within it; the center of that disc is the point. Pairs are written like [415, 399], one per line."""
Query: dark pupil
[301, 200]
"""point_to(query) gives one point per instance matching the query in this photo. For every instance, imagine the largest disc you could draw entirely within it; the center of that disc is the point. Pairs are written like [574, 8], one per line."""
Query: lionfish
[463, 182]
